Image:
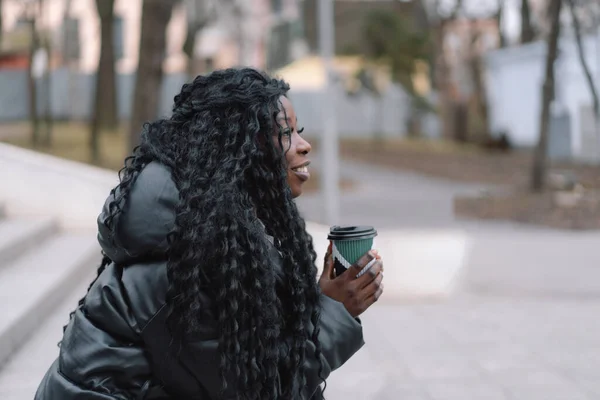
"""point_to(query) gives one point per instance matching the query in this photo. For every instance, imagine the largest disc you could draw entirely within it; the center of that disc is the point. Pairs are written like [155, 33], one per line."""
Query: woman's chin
[296, 191]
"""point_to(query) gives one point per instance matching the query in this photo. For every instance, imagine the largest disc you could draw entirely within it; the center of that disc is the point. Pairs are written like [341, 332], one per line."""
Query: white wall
[575, 91]
[515, 77]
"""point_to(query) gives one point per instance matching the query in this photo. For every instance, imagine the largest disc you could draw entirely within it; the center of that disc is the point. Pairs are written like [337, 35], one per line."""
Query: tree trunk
[527, 33]
[1, 26]
[499, 19]
[475, 65]
[442, 84]
[188, 50]
[460, 122]
[443, 80]
[190, 44]
[47, 80]
[95, 126]
[538, 177]
[155, 18]
[48, 96]
[104, 114]
[582, 60]
[106, 105]
[31, 83]
[66, 12]
[66, 62]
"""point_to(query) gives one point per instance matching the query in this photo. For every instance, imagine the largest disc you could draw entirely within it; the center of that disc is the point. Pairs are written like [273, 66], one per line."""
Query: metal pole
[597, 19]
[597, 73]
[330, 146]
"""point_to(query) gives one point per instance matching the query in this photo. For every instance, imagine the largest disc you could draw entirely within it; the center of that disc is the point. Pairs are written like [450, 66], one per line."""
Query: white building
[514, 80]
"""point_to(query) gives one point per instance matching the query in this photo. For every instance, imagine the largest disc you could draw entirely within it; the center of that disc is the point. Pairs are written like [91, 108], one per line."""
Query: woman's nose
[303, 146]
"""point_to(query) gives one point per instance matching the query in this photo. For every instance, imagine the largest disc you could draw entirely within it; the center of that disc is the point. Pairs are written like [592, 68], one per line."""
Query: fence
[72, 93]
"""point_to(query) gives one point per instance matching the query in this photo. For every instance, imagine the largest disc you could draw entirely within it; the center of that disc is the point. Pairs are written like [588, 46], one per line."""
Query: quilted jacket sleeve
[340, 337]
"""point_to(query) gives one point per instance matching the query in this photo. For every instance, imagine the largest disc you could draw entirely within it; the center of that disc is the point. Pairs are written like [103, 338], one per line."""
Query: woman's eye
[300, 130]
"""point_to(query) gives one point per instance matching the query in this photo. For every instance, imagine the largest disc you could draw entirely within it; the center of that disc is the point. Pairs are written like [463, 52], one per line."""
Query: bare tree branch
[456, 10]
[582, 60]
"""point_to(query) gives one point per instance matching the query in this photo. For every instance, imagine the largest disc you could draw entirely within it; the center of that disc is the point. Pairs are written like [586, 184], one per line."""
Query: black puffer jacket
[117, 345]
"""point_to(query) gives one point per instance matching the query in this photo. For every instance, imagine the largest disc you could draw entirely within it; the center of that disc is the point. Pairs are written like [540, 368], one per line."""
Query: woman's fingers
[372, 287]
[374, 297]
[370, 275]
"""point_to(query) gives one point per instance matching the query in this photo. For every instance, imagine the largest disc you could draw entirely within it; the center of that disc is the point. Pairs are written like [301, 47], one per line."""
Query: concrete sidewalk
[20, 377]
[519, 321]
[474, 348]
[389, 199]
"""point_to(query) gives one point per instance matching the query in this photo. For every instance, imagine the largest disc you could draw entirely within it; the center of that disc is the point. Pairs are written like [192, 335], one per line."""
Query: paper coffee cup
[349, 243]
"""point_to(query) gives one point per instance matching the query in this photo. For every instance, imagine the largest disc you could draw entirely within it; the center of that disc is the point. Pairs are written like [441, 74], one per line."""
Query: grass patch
[573, 210]
[412, 145]
[442, 159]
[71, 141]
[463, 162]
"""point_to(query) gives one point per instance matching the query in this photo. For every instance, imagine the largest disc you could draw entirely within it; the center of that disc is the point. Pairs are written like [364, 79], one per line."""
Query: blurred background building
[262, 33]
[275, 35]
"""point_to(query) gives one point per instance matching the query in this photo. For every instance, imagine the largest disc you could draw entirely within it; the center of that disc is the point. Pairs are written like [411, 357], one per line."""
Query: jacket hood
[147, 217]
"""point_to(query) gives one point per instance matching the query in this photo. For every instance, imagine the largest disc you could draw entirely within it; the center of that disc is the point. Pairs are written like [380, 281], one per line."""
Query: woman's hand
[356, 294]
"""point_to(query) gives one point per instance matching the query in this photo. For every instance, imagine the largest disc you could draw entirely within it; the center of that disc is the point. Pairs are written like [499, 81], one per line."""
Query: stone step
[23, 372]
[35, 283]
[18, 235]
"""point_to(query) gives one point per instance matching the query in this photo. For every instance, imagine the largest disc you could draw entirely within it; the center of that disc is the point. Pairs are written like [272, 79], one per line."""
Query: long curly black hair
[219, 146]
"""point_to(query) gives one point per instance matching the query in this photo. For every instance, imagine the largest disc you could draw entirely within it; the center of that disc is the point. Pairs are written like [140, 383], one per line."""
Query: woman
[208, 288]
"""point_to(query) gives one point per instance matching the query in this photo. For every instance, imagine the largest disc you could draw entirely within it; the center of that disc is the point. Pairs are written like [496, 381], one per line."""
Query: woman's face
[295, 146]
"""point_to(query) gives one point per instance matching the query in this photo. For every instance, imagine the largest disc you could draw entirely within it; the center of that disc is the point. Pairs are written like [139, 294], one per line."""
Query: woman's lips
[302, 173]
